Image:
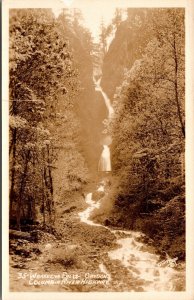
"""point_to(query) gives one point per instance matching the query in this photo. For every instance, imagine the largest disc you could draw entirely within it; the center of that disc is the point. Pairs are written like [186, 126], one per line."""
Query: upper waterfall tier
[105, 97]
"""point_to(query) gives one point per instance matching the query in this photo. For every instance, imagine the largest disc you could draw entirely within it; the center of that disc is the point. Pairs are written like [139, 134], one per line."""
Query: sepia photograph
[96, 171]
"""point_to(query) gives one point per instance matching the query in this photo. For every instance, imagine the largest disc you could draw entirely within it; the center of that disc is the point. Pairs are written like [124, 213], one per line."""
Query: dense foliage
[45, 156]
[148, 134]
[130, 37]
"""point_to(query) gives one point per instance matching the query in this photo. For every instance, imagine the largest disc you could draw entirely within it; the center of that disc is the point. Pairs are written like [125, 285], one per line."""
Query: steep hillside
[130, 39]
[89, 107]
[148, 128]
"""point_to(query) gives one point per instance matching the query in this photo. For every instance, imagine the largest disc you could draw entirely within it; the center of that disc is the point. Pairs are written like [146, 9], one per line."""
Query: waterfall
[107, 102]
[104, 162]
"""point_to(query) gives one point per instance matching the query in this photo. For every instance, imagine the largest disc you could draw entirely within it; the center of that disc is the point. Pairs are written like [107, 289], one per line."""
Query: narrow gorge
[97, 183]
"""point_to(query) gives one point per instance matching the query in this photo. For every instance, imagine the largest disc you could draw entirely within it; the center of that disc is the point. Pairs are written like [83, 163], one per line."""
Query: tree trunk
[13, 145]
[33, 201]
[43, 198]
[19, 234]
[11, 194]
[176, 89]
[50, 181]
[22, 187]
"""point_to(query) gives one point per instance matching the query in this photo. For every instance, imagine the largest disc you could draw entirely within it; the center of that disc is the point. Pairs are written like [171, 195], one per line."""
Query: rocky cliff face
[127, 46]
[90, 106]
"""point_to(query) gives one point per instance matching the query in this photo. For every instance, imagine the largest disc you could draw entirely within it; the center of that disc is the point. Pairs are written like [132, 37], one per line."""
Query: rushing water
[141, 263]
[105, 161]
[107, 102]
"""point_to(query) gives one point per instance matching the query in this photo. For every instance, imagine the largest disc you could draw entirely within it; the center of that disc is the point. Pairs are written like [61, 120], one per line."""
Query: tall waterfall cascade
[105, 160]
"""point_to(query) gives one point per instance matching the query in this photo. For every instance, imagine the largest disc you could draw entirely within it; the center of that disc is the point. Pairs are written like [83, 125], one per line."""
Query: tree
[148, 127]
[43, 87]
[117, 17]
[171, 36]
[103, 37]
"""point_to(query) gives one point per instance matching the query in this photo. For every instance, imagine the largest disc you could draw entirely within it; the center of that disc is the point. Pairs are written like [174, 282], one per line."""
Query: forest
[148, 128]
[44, 122]
[59, 82]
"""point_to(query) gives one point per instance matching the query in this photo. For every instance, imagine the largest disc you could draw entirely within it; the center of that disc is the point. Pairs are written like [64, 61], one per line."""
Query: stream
[135, 256]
